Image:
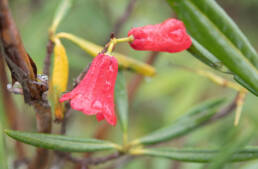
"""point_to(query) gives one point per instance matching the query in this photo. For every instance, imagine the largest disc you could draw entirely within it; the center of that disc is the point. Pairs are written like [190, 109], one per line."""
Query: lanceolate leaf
[59, 78]
[240, 81]
[214, 30]
[201, 53]
[198, 155]
[121, 100]
[61, 143]
[233, 142]
[193, 119]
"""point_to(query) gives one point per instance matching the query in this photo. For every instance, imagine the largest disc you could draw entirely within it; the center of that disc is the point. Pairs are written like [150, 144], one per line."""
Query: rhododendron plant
[169, 36]
[94, 95]
[153, 101]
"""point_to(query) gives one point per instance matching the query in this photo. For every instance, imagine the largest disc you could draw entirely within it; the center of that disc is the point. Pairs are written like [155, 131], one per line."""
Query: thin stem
[126, 39]
[24, 70]
[47, 61]
[239, 102]
[124, 61]
[10, 108]
[138, 79]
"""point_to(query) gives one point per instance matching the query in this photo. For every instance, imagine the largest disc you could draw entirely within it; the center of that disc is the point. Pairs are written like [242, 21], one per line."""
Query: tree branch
[47, 61]
[10, 108]
[137, 79]
[24, 70]
[225, 110]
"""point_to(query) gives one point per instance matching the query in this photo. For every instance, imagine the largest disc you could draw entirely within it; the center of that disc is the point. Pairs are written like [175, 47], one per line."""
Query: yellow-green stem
[124, 62]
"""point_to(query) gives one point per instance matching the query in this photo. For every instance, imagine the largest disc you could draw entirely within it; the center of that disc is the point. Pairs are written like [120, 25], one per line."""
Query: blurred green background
[160, 99]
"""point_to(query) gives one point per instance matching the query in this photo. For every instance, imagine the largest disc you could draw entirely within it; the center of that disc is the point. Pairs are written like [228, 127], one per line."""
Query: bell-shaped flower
[168, 36]
[94, 95]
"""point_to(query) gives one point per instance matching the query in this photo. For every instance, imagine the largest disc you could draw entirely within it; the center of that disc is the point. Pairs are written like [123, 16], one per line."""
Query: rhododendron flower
[94, 95]
[169, 36]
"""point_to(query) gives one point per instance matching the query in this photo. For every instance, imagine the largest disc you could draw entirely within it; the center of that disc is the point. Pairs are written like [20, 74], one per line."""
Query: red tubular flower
[169, 36]
[94, 95]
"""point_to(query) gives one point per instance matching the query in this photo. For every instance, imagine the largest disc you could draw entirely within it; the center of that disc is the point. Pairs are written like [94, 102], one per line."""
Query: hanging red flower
[169, 36]
[94, 95]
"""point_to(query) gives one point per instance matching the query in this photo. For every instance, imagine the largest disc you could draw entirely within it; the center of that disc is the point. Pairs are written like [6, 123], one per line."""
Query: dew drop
[97, 104]
[110, 68]
[107, 86]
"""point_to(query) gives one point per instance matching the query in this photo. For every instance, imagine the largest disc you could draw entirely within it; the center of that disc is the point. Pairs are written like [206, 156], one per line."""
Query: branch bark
[137, 79]
[24, 70]
[10, 108]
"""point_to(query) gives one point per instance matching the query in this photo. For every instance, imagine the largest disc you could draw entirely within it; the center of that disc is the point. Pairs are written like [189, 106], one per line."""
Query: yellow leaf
[59, 77]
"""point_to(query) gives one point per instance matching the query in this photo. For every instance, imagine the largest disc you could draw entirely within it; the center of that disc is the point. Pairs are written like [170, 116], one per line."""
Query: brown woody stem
[24, 70]
[10, 108]
[137, 79]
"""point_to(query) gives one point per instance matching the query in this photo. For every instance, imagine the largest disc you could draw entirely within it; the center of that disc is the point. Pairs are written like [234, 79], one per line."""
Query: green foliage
[200, 155]
[201, 53]
[193, 119]
[210, 26]
[230, 150]
[217, 42]
[61, 143]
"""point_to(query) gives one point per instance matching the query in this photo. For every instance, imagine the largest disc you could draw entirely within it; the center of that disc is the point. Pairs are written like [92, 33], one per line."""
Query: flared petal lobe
[94, 95]
[169, 36]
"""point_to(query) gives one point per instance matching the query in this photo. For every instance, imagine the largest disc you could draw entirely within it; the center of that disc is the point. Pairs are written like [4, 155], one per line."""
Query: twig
[226, 110]
[137, 79]
[10, 108]
[24, 70]
[121, 21]
[47, 61]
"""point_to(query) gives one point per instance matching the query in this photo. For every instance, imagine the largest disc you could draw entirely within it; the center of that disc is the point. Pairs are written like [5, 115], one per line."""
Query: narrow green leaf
[199, 52]
[227, 26]
[61, 143]
[121, 100]
[193, 119]
[233, 142]
[247, 86]
[214, 30]
[60, 13]
[199, 155]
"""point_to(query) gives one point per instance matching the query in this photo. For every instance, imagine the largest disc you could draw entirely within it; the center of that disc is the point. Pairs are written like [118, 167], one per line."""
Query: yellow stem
[111, 46]
[126, 39]
[125, 138]
[124, 62]
[220, 81]
[240, 103]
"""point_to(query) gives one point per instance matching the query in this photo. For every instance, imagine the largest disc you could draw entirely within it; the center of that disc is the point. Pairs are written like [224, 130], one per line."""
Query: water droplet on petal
[110, 68]
[97, 104]
[107, 86]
